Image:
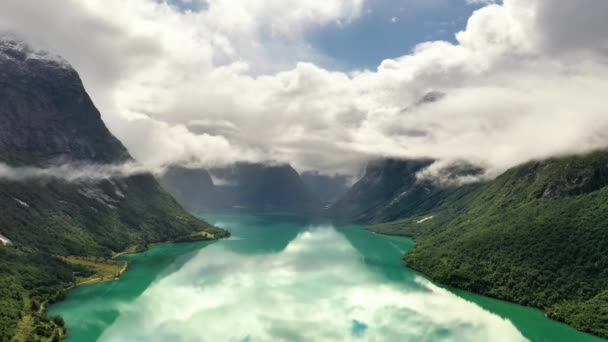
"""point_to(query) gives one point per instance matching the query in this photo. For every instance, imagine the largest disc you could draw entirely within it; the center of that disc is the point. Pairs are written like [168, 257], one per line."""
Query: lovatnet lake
[283, 277]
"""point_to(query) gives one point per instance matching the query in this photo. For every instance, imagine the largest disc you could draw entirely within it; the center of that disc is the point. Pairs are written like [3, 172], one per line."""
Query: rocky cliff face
[391, 189]
[47, 118]
[193, 189]
[265, 187]
[328, 188]
[385, 183]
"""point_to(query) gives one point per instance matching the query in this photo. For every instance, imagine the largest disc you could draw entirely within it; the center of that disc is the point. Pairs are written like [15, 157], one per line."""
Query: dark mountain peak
[428, 98]
[46, 116]
[193, 188]
[431, 97]
[243, 185]
[328, 188]
[14, 49]
[266, 186]
[373, 197]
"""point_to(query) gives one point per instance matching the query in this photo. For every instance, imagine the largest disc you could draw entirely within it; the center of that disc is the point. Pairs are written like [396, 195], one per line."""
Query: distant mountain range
[244, 185]
[536, 235]
[327, 188]
[47, 119]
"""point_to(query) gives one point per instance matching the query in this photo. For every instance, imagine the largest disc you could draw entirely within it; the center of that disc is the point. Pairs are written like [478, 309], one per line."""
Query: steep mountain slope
[327, 188]
[390, 190]
[46, 118]
[265, 187]
[536, 235]
[46, 115]
[193, 189]
[244, 185]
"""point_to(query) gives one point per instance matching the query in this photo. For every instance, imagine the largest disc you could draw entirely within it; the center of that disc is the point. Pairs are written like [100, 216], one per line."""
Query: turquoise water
[282, 277]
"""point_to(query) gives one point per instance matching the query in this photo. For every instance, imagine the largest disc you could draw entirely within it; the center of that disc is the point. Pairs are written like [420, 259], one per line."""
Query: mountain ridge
[243, 185]
[534, 236]
[47, 119]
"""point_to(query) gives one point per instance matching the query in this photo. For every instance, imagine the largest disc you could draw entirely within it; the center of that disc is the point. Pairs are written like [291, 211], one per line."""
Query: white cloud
[481, 2]
[73, 173]
[239, 81]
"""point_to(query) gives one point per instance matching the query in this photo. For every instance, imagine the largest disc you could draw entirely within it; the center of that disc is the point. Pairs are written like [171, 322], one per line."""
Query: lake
[285, 277]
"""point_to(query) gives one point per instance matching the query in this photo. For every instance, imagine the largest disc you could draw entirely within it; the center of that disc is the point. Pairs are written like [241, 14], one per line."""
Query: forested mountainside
[390, 189]
[536, 235]
[243, 185]
[47, 119]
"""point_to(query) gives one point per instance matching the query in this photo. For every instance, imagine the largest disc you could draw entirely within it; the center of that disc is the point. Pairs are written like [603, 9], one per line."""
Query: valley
[336, 170]
[280, 274]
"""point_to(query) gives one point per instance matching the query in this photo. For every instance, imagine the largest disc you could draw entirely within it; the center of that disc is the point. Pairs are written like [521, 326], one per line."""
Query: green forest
[536, 235]
[64, 219]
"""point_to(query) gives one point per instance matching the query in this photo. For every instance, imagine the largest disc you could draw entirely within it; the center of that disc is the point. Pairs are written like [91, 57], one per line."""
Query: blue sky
[386, 29]
[391, 28]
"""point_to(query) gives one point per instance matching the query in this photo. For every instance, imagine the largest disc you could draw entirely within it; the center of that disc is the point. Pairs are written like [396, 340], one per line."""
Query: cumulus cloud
[296, 294]
[237, 80]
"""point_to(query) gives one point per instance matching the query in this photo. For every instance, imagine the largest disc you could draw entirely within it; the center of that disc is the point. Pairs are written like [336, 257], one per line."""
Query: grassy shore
[33, 323]
[96, 270]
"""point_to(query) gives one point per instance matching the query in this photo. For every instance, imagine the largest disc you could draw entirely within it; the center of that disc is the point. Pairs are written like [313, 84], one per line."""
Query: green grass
[97, 269]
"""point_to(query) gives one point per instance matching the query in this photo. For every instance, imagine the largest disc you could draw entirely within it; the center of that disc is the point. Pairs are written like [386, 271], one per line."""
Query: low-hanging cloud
[237, 81]
[74, 172]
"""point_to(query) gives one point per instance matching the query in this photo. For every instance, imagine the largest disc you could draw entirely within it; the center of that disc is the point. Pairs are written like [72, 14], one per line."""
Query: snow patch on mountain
[12, 47]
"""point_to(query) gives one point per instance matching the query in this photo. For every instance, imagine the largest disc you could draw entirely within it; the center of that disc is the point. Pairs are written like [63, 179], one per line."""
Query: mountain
[327, 188]
[242, 185]
[536, 235]
[390, 189]
[47, 119]
[265, 187]
[46, 115]
[193, 189]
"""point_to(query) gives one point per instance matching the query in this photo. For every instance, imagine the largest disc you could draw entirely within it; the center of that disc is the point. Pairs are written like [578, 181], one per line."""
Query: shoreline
[447, 286]
[124, 270]
[101, 280]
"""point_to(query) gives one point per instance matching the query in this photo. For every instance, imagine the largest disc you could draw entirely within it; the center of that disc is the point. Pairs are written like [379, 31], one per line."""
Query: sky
[384, 29]
[389, 29]
[328, 85]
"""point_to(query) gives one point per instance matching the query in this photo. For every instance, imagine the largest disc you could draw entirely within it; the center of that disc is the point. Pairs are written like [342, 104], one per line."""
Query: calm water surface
[283, 277]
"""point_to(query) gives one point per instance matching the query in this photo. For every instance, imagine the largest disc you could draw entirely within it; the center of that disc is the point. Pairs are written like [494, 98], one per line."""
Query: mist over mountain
[193, 189]
[484, 139]
[328, 188]
[47, 119]
[391, 189]
[209, 88]
[243, 185]
[534, 235]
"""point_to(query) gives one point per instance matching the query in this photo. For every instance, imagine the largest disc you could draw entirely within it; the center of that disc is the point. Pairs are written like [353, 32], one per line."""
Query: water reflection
[317, 288]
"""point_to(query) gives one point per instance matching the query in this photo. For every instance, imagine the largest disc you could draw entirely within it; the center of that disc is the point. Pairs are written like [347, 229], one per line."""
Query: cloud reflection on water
[313, 290]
